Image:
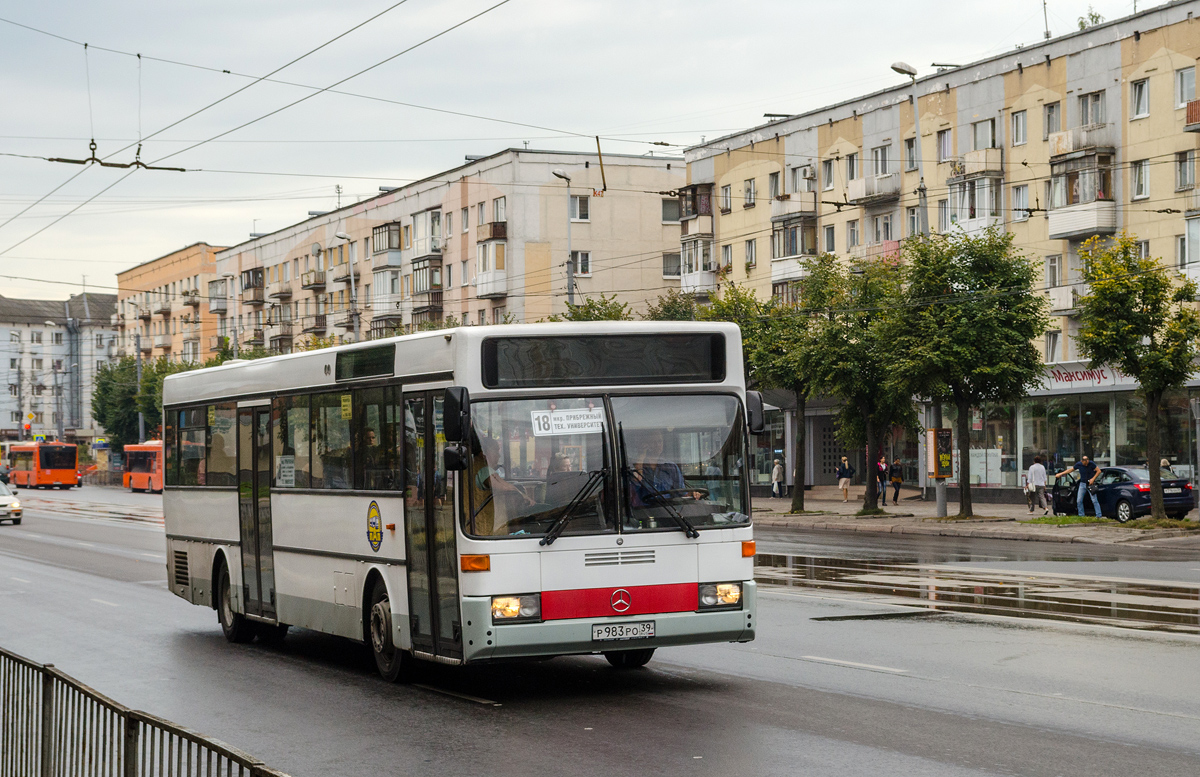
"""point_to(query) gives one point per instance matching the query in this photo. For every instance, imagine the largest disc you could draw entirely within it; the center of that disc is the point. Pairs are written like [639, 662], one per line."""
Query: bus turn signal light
[480, 563]
[748, 548]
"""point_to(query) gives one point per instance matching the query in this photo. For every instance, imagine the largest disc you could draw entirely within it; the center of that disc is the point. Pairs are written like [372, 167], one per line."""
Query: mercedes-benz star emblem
[621, 600]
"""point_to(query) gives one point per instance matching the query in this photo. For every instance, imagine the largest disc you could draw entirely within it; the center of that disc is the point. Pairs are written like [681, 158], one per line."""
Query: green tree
[1090, 19]
[1137, 319]
[149, 398]
[963, 328]
[114, 400]
[672, 306]
[315, 343]
[593, 309]
[850, 356]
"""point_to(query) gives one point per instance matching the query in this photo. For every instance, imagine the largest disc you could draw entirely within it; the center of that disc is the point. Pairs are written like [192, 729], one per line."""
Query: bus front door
[254, 509]
[434, 619]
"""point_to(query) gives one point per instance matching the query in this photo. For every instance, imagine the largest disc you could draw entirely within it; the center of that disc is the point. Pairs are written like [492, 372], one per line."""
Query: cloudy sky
[631, 71]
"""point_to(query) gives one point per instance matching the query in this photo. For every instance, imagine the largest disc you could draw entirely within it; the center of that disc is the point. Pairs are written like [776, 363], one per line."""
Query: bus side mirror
[455, 457]
[456, 412]
[754, 409]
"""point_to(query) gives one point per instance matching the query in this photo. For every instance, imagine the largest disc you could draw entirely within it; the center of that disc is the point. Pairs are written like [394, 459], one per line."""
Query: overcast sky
[631, 71]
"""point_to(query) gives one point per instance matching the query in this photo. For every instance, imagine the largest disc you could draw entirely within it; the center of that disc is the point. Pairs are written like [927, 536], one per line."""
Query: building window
[15, 416]
[14, 336]
[785, 293]
[580, 208]
[879, 160]
[882, 227]
[1185, 170]
[1143, 249]
[943, 215]
[830, 239]
[670, 211]
[852, 171]
[773, 185]
[1185, 86]
[944, 148]
[910, 154]
[1051, 120]
[727, 256]
[748, 189]
[1181, 250]
[1191, 246]
[670, 265]
[481, 213]
[35, 337]
[1054, 271]
[1079, 181]
[583, 262]
[726, 199]
[983, 134]
[465, 217]
[1019, 129]
[1091, 109]
[751, 252]
[498, 209]
[498, 314]
[1139, 98]
[407, 241]
[449, 223]
[827, 174]
[851, 234]
[914, 221]
[1053, 340]
[1020, 202]
[449, 279]
[59, 341]
[12, 389]
[12, 364]
[802, 179]
[1140, 173]
[464, 273]
[482, 317]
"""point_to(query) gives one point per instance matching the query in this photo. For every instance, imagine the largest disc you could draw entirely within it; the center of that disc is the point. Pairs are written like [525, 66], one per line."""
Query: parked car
[1124, 493]
[10, 506]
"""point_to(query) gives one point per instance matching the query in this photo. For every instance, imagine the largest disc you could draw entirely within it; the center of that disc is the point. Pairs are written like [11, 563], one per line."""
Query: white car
[10, 506]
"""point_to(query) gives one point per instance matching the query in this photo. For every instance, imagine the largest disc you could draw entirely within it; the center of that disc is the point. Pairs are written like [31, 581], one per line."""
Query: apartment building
[161, 306]
[53, 350]
[1083, 135]
[483, 243]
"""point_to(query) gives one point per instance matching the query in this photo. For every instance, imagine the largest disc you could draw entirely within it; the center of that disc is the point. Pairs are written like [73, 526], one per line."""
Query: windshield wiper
[581, 496]
[659, 497]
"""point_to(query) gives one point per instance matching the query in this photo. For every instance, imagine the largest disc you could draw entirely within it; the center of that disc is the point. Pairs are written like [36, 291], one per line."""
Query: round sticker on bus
[374, 526]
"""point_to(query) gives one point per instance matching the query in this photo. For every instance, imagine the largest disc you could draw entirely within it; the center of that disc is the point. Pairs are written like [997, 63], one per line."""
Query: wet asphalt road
[829, 688]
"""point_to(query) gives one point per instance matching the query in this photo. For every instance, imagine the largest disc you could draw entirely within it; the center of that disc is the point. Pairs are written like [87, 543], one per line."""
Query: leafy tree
[1090, 19]
[114, 400]
[850, 356]
[314, 343]
[963, 327]
[149, 398]
[672, 306]
[593, 309]
[1136, 319]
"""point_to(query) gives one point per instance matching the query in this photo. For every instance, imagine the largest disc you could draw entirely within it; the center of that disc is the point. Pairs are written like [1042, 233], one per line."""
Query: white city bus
[472, 494]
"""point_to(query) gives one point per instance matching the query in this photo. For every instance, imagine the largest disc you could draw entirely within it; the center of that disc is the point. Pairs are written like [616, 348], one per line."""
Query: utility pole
[355, 316]
[58, 403]
[137, 344]
[570, 256]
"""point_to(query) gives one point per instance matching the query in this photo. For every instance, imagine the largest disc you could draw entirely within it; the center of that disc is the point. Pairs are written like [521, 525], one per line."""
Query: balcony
[884, 249]
[281, 329]
[697, 225]
[428, 301]
[432, 246]
[191, 332]
[698, 282]
[1192, 122]
[217, 342]
[1079, 139]
[1192, 203]
[254, 336]
[1062, 299]
[1085, 220]
[143, 313]
[162, 307]
[252, 295]
[793, 206]
[281, 290]
[313, 324]
[384, 259]
[985, 161]
[787, 269]
[145, 344]
[873, 189]
[344, 319]
[495, 230]
[218, 305]
[493, 284]
[313, 279]
[191, 297]
[341, 273]
[281, 344]
[163, 342]
[979, 224]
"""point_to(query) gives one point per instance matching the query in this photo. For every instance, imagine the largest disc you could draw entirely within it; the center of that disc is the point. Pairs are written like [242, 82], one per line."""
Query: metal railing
[51, 724]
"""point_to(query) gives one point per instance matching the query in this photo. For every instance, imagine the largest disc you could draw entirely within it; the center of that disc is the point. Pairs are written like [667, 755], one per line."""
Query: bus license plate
[602, 632]
[1172, 490]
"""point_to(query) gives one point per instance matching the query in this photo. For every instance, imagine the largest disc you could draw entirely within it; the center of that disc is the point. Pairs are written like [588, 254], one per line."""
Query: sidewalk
[825, 511]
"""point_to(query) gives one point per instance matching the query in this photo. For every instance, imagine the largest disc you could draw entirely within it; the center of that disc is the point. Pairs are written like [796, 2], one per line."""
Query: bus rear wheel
[629, 659]
[237, 629]
[394, 664]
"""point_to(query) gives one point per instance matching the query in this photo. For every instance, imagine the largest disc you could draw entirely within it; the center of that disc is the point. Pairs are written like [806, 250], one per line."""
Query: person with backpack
[845, 473]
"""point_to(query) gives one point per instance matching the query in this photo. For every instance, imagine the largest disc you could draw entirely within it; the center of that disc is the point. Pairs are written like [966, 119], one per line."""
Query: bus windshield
[58, 457]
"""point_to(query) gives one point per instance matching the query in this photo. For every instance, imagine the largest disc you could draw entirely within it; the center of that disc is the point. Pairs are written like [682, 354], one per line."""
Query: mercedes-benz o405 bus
[473, 493]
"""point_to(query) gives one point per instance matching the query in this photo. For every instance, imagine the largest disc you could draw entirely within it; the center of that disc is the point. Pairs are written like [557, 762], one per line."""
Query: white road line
[86, 544]
[152, 555]
[101, 601]
[854, 664]
[19, 579]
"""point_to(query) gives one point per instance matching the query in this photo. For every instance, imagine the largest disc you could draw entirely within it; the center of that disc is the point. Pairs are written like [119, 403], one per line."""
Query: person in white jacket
[777, 479]
[1035, 489]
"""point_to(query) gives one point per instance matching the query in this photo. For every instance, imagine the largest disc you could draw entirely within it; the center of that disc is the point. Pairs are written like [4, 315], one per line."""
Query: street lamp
[230, 278]
[570, 256]
[353, 291]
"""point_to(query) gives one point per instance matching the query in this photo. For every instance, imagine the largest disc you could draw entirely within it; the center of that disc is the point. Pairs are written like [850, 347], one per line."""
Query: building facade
[483, 243]
[54, 348]
[1080, 136]
[162, 306]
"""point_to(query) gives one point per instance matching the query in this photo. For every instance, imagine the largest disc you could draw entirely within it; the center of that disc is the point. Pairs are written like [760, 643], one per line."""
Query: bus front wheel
[236, 627]
[629, 659]
[394, 665]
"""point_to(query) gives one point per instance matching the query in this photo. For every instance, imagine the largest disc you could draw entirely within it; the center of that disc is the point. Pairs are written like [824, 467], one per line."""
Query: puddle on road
[943, 587]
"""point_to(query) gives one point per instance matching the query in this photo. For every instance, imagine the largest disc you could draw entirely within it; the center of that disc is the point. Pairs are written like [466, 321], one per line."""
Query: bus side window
[291, 442]
[374, 440]
[331, 456]
[170, 426]
[222, 445]
[193, 446]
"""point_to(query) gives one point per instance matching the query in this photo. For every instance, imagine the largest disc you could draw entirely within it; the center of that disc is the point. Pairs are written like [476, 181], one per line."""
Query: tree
[963, 328]
[149, 398]
[592, 309]
[672, 306]
[114, 400]
[1090, 19]
[1136, 319]
[850, 357]
[315, 343]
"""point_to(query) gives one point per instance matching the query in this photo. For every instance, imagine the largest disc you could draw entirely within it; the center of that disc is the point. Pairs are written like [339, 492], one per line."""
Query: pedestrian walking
[845, 473]
[777, 479]
[1088, 472]
[881, 477]
[897, 476]
[1035, 486]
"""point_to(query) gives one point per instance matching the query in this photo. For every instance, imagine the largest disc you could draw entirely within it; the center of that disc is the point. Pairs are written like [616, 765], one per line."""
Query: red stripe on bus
[599, 602]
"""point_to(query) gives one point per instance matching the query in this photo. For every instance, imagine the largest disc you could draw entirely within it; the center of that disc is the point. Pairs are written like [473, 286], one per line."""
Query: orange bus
[43, 465]
[144, 466]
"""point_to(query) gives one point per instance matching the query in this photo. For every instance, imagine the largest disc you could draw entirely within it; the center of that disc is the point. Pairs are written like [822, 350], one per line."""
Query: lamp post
[354, 315]
[233, 293]
[570, 256]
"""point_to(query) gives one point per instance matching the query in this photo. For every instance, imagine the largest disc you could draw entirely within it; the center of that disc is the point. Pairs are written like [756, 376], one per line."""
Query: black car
[1124, 493]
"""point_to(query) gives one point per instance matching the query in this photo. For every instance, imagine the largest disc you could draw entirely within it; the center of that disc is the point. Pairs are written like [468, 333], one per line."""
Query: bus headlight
[717, 595]
[517, 608]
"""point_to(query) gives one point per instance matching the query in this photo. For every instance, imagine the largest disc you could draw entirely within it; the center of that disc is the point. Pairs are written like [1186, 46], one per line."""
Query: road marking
[86, 544]
[151, 555]
[19, 579]
[101, 601]
[855, 664]
[458, 695]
